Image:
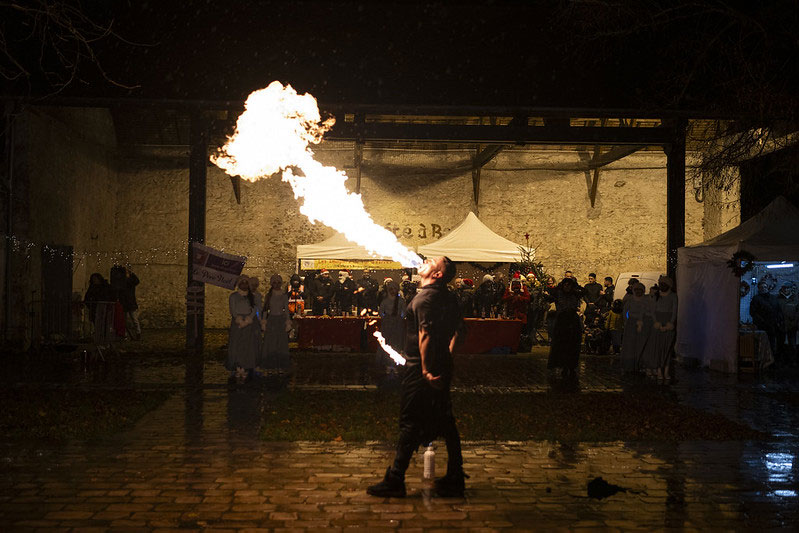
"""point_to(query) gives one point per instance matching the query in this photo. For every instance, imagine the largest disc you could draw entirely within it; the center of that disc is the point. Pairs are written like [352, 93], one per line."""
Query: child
[614, 324]
[594, 335]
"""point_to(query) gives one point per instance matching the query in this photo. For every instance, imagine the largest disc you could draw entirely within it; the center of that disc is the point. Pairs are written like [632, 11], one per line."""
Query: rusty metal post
[198, 170]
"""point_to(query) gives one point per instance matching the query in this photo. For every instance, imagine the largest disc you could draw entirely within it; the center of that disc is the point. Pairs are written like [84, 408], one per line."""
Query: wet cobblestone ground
[197, 463]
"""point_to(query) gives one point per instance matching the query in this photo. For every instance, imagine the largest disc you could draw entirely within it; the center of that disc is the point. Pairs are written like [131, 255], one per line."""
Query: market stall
[711, 328]
[339, 333]
[356, 334]
[472, 242]
[337, 252]
[336, 334]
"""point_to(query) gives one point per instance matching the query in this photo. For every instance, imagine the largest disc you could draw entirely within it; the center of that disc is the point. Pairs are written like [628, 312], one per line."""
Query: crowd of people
[568, 316]
[111, 305]
[777, 315]
[638, 326]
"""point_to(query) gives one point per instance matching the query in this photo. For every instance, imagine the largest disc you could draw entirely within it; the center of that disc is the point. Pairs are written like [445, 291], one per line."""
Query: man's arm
[454, 342]
[425, 349]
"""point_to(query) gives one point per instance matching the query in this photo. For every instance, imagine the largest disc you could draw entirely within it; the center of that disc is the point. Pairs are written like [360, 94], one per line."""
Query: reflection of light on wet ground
[779, 466]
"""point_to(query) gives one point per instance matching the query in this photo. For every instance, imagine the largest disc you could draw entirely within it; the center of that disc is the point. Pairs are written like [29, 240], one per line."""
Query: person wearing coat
[392, 322]
[323, 293]
[567, 335]
[656, 358]
[516, 299]
[485, 297]
[345, 289]
[638, 311]
[766, 314]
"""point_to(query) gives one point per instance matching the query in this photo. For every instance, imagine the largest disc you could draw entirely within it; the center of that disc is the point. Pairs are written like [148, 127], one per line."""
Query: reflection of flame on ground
[273, 135]
[395, 356]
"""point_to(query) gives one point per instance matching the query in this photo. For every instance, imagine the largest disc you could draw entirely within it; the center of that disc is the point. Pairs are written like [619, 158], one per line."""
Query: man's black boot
[392, 486]
[452, 485]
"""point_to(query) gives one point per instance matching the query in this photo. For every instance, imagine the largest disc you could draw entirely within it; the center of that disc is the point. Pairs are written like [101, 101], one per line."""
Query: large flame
[272, 135]
[394, 354]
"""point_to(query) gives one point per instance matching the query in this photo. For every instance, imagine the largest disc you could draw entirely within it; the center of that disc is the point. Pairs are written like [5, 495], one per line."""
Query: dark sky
[356, 52]
[572, 54]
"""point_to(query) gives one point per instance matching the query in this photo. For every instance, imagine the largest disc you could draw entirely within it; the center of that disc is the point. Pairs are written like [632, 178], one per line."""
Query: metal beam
[374, 131]
[198, 171]
[594, 187]
[358, 156]
[481, 158]
[485, 155]
[675, 197]
[340, 109]
[236, 182]
[614, 154]
[476, 189]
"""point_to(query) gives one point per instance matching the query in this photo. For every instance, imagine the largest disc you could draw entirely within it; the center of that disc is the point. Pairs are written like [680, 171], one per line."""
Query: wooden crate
[747, 353]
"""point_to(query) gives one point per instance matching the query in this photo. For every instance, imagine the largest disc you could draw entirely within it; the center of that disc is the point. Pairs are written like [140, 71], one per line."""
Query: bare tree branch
[64, 36]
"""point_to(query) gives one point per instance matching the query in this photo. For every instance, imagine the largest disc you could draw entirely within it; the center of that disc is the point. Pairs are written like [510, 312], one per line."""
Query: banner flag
[215, 267]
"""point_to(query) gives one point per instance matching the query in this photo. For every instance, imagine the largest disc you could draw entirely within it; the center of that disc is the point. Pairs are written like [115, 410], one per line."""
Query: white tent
[473, 241]
[707, 321]
[336, 247]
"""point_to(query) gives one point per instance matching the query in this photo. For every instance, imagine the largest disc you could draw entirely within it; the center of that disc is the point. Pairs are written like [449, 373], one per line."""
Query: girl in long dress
[564, 351]
[244, 333]
[659, 347]
[637, 325]
[276, 322]
[258, 302]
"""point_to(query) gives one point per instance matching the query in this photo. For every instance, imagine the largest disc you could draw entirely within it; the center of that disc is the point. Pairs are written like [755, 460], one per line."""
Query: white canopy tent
[707, 321]
[336, 247]
[473, 241]
[337, 252]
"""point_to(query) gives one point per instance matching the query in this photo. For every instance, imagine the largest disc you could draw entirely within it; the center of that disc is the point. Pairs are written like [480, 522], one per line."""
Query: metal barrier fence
[53, 322]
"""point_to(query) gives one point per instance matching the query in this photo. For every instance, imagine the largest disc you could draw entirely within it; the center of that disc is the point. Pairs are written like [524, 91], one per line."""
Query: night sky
[570, 54]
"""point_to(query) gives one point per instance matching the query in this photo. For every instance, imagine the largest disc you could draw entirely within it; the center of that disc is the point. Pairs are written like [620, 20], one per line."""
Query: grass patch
[587, 417]
[60, 415]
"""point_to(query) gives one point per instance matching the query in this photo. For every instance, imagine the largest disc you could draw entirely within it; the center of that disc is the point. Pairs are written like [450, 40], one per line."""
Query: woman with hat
[656, 357]
[638, 309]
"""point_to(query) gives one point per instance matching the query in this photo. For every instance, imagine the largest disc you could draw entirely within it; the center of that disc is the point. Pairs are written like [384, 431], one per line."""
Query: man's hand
[437, 382]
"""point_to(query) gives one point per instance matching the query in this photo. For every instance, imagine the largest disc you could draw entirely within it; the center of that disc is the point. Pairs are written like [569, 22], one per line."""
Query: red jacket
[517, 303]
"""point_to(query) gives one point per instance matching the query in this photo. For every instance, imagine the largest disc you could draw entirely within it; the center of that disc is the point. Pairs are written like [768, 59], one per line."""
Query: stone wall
[134, 208]
[65, 190]
[420, 194]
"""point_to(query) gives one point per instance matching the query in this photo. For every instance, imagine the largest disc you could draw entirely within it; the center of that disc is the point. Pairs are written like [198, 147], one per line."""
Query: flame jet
[273, 135]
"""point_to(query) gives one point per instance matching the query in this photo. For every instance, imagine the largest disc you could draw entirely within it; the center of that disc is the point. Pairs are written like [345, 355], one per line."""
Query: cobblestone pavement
[197, 463]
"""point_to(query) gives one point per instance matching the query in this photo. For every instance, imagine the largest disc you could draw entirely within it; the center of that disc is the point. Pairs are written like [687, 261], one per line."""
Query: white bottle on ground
[429, 462]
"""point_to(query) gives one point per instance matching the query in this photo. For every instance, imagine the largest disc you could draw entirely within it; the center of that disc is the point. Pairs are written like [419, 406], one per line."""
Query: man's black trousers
[426, 413]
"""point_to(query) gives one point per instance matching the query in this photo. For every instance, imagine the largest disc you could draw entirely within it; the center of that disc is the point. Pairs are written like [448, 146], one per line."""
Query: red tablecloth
[338, 334]
[345, 334]
[484, 335]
